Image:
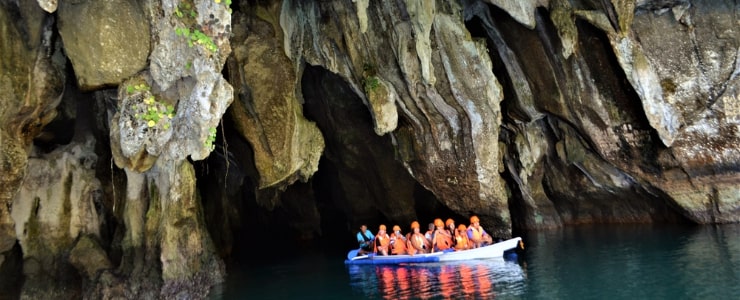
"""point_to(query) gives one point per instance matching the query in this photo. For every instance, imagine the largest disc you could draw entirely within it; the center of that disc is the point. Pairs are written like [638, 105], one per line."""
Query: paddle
[352, 253]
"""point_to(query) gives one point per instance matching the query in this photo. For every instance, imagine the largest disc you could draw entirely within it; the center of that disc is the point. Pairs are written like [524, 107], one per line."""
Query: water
[592, 262]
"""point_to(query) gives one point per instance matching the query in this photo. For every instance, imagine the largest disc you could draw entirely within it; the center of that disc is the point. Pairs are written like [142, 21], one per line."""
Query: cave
[146, 146]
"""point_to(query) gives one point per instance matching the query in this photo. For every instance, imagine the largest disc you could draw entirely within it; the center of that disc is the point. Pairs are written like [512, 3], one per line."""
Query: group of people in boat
[441, 236]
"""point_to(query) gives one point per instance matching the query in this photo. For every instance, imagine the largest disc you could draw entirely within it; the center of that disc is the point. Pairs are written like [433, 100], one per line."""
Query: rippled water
[594, 262]
[482, 279]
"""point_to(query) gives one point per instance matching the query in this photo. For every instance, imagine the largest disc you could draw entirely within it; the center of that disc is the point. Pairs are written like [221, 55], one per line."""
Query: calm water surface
[594, 262]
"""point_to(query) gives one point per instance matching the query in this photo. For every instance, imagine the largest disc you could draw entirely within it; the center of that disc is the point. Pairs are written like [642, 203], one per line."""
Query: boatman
[365, 239]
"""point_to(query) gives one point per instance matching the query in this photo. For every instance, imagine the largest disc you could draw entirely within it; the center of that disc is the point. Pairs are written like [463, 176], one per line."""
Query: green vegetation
[150, 110]
[371, 81]
[187, 14]
[210, 142]
[185, 9]
[227, 3]
[141, 87]
[197, 37]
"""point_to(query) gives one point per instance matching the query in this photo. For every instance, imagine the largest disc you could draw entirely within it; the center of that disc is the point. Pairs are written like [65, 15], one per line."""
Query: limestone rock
[287, 147]
[107, 41]
[57, 203]
[522, 11]
[88, 257]
[49, 6]
[32, 83]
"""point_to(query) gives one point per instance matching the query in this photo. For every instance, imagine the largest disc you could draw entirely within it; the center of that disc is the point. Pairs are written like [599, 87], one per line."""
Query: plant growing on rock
[370, 80]
[371, 83]
[210, 141]
[197, 37]
[227, 3]
[149, 110]
[194, 36]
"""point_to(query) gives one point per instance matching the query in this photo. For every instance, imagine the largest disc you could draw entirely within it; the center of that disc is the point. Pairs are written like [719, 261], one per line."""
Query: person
[430, 233]
[417, 242]
[382, 241]
[365, 239]
[450, 227]
[398, 241]
[477, 235]
[442, 239]
[461, 238]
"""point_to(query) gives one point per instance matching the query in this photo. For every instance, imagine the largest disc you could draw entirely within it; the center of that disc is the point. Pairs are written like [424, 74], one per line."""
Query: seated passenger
[442, 239]
[461, 238]
[382, 241]
[477, 235]
[450, 227]
[398, 241]
[430, 233]
[365, 239]
[417, 242]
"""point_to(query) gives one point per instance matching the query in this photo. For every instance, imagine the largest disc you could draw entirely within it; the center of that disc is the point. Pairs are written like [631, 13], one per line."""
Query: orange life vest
[477, 232]
[461, 239]
[418, 243]
[384, 241]
[399, 244]
[443, 240]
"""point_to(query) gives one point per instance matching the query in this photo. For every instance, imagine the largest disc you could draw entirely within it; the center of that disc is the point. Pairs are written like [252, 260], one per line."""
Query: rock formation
[139, 139]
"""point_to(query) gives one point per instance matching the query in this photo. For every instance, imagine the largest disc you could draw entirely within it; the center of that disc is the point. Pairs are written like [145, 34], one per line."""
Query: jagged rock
[88, 257]
[32, 84]
[290, 150]
[49, 6]
[447, 91]
[530, 114]
[107, 41]
[522, 11]
[166, 115]
[56, 204]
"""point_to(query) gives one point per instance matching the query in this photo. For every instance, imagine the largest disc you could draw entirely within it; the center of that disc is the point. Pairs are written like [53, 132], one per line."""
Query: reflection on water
[477, 279]
[634, 262]
[586, 262]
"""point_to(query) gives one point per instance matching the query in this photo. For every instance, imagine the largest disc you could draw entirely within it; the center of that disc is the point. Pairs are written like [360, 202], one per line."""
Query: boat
[496, 250]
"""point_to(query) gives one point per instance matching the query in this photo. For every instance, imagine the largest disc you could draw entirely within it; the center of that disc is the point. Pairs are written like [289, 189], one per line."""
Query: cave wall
[530, 114]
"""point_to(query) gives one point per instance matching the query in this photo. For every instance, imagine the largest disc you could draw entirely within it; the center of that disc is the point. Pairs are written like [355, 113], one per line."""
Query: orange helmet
[474, 219]
[438, 223]
[396, 228]
[461, 227]
[449, 221]
[414, 224]
[382, 227]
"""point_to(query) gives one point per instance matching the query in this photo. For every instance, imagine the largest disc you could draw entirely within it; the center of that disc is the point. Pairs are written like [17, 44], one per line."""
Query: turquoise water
[587, 262]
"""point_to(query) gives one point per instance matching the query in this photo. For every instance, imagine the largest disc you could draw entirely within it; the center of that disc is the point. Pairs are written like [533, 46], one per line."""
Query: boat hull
[491, 251]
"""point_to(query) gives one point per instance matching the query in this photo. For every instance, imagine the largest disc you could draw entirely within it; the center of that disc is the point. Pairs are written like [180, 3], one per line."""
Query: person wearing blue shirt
[365, 238]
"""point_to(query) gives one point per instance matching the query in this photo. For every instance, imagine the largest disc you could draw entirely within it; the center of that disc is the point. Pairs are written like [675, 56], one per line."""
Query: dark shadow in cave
[615, 86]
[595, 50]
[359, 178]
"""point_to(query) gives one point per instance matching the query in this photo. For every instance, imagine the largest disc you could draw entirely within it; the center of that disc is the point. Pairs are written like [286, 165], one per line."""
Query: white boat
[490, 251]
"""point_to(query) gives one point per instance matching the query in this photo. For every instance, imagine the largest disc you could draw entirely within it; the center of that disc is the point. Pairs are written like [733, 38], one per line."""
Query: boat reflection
[476, 279]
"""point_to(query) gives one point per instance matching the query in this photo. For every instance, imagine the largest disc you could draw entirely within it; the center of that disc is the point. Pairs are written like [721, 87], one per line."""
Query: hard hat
[461, 227]
[474, 219]
[438, 223]
[396, 228]
[382, 227]
[414, 224]
[449, 221]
